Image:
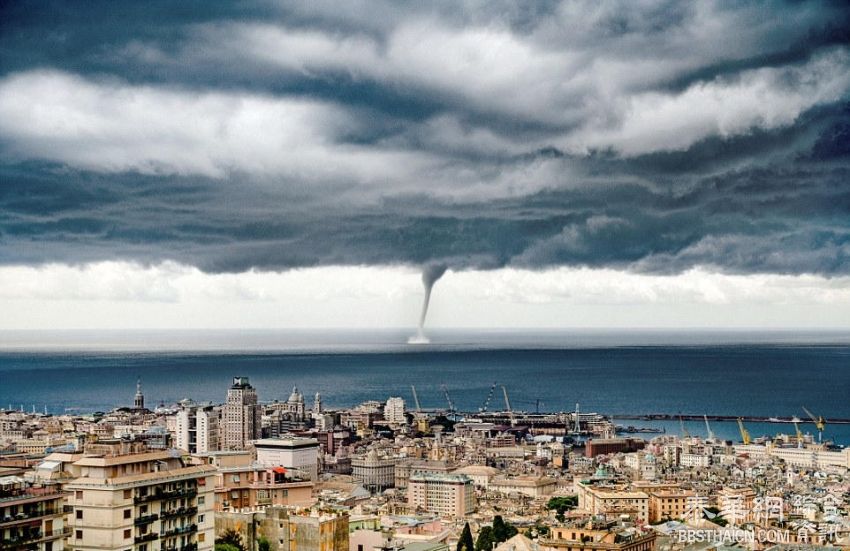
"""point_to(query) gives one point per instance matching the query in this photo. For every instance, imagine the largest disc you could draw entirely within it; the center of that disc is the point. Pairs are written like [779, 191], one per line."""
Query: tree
[485, 539]
[502, 531]
[465, 542]
[263, 544]
[561, 505]
[230, 540]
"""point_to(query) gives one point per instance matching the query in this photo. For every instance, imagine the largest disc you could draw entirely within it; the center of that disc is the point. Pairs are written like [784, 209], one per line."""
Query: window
[78, 494]
[79, 534]
[128, 494]
[201, 500]
[128, 513]
[201, 537]
[200, 519]
[127, 533]
[79, 513]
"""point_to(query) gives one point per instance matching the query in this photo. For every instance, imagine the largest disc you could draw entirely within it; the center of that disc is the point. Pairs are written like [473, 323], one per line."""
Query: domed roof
[296, 396]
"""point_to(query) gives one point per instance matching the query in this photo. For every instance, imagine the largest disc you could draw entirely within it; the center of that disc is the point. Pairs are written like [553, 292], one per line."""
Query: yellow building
[570, 538]
[128, 497]
[602, 500]
[668, 504]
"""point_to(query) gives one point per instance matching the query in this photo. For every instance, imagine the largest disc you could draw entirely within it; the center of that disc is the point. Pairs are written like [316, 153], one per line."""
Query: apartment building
[447, 495]
[31, 516]
[129, 497]
[602, 500]
[394, 411]
[241, 416]
[240, 483]
[668, 504]
[197, 427]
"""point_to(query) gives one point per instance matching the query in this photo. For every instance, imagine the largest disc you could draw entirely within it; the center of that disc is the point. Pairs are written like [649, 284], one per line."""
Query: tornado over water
[430, 275]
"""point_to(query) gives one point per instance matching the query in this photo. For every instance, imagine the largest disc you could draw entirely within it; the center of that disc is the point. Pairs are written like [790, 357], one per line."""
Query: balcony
[159, 495]
[184, 492]
[33, 537]
[150, 536]
[188, 529]
[27, 515]
[179, 512]
[145, 519]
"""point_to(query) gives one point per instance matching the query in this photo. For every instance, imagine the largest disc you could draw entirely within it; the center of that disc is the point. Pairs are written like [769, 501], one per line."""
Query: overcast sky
[622, 164]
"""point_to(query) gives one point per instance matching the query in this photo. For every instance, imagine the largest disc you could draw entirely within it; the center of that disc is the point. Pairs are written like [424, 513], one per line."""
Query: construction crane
[416, 399]
[745, 435]
[799, 434]
[448, 399]
[708, 427]
[685, 432]
[819, 422]
[489, 397]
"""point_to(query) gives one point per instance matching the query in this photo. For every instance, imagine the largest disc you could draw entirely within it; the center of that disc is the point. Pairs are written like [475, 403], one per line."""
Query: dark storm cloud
[238, 136]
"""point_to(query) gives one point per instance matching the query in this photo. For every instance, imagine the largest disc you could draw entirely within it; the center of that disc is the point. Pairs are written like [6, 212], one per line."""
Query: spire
[139, 401]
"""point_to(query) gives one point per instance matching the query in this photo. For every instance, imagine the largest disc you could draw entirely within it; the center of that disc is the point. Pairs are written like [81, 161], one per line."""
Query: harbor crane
[708, 427]
[745, 434]
[819, 421]
[448, 398]
[489, 397]
[416, 399]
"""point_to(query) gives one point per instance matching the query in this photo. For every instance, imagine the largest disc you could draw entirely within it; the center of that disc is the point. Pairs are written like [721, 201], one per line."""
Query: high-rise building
[128, 496]
[394, 411]
[448, 495]
[241, 419]
[197, 428]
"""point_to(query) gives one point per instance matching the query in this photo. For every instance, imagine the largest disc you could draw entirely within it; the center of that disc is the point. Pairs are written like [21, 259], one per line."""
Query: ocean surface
[615, 373]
